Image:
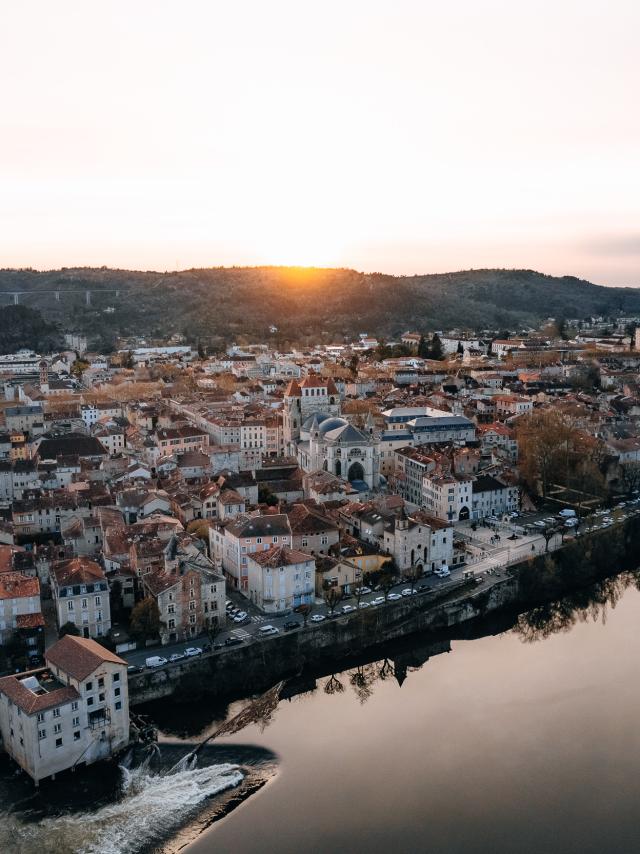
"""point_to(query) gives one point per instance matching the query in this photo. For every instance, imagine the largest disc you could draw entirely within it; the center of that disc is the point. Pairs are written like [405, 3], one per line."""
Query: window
[89, 701]
[89, 686]
[74, 706]
[76, 735]
[116, 692]
[40, 717]
[57, 729]
[171, 609]
[76, 722]
[101, 682]
[98, 600]
[70, 605]
[42, 733]
[118, 706]
[101, 698]
[58, 742]
[172, 624]
[192, 618]
[116, 677]
[84, 604]
[56, 713]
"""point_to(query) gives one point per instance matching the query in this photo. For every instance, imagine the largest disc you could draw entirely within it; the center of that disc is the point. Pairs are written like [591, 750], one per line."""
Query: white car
[377, 601]
[192, 650]
[363, 605]
[347, 609]
[318, 618]
[407, 591]
[394, 597]
[442, 573]
[268, 630]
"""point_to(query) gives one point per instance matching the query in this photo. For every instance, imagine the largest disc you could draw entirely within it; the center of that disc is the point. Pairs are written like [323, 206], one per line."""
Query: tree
[630, 474]
[69, 628]
[332, 597]
[423, 348]
[386, 582]
[436, 351]
[548, 534]
[460, 348]
[305, 612]
[353, 364]
[145, 620]
[413, 574]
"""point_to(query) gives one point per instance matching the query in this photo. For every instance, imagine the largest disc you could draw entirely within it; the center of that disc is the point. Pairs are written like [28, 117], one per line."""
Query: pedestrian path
[240, 633]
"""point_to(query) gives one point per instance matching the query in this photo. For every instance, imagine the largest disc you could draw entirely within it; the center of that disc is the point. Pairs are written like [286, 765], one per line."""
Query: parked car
[362, 591]
[290, 625]
[347, 609]
[190, 651]
[156, 661]
[134, 668]
[177, 656]
[394, 596]
[318, 618]
[378, 600]
[407, 591]
[264, 631]
[232, 641]
[363, 605]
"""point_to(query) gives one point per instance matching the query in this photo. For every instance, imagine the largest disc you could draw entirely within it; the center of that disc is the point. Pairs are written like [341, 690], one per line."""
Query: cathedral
[315, 433]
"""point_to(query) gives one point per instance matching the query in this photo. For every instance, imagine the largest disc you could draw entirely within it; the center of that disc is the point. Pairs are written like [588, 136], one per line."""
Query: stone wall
[254, 667]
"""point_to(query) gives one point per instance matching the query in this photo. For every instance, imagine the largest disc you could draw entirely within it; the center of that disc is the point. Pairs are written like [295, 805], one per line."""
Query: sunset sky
[405, 137]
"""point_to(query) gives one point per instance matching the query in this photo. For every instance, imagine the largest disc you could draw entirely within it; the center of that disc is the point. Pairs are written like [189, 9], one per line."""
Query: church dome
[331, 424]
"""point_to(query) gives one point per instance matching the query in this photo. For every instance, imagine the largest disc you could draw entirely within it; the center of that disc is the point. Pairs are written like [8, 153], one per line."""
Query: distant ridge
[221, 304]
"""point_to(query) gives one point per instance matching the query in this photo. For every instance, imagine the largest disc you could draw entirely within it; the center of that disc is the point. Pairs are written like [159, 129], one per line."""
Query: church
[321, 439]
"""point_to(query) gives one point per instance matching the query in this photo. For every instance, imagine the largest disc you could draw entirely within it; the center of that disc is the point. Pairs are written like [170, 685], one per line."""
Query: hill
[222, 304]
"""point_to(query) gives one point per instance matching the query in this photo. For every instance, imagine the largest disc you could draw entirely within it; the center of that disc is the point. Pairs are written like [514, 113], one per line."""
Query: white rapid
[151, 808]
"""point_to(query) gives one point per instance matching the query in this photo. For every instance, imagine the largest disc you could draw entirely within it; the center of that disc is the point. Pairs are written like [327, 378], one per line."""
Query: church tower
[291, 416]
[44, 376]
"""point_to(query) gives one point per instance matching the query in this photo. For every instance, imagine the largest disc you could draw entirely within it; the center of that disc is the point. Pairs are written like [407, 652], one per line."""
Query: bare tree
[332, 597]
[305, 612]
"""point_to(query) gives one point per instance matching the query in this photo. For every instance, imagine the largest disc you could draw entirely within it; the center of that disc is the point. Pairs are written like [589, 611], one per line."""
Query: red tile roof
[29, 621]
[30, 702]
[15, 585]
[78, 570]
[79, 657]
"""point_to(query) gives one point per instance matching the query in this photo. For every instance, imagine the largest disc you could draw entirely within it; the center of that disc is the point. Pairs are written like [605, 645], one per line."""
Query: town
[161, 503]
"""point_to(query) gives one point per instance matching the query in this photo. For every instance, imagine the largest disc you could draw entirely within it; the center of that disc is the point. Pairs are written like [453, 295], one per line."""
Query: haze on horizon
[404, 138]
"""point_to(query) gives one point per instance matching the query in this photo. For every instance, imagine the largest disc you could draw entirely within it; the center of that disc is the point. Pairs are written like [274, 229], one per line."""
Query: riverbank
[253, 667]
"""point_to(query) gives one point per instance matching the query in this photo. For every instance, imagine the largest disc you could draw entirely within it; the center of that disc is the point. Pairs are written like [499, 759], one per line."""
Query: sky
[401, 137]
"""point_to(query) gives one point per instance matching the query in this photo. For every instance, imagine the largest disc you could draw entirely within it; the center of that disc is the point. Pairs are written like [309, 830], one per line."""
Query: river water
[520, 742]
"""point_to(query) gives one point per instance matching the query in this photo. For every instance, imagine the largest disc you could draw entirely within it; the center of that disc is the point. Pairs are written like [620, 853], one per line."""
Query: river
[521, 742]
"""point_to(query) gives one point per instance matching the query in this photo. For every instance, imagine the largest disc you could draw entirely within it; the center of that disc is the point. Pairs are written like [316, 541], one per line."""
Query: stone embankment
[256, 666]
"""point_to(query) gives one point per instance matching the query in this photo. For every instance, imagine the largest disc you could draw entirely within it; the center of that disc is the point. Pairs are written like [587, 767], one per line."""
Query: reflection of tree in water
[333, 685]
[362, 679]
[581, 606]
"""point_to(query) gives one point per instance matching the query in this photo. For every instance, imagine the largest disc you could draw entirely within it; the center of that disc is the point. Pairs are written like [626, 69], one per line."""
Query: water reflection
[562, 615]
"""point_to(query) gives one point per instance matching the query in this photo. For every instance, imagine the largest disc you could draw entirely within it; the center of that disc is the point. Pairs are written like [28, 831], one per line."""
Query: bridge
[58, 292]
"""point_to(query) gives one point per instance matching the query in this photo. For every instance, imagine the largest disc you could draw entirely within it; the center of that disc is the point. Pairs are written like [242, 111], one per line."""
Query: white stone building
[81, 596]
[281, 579]
[73, 712]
